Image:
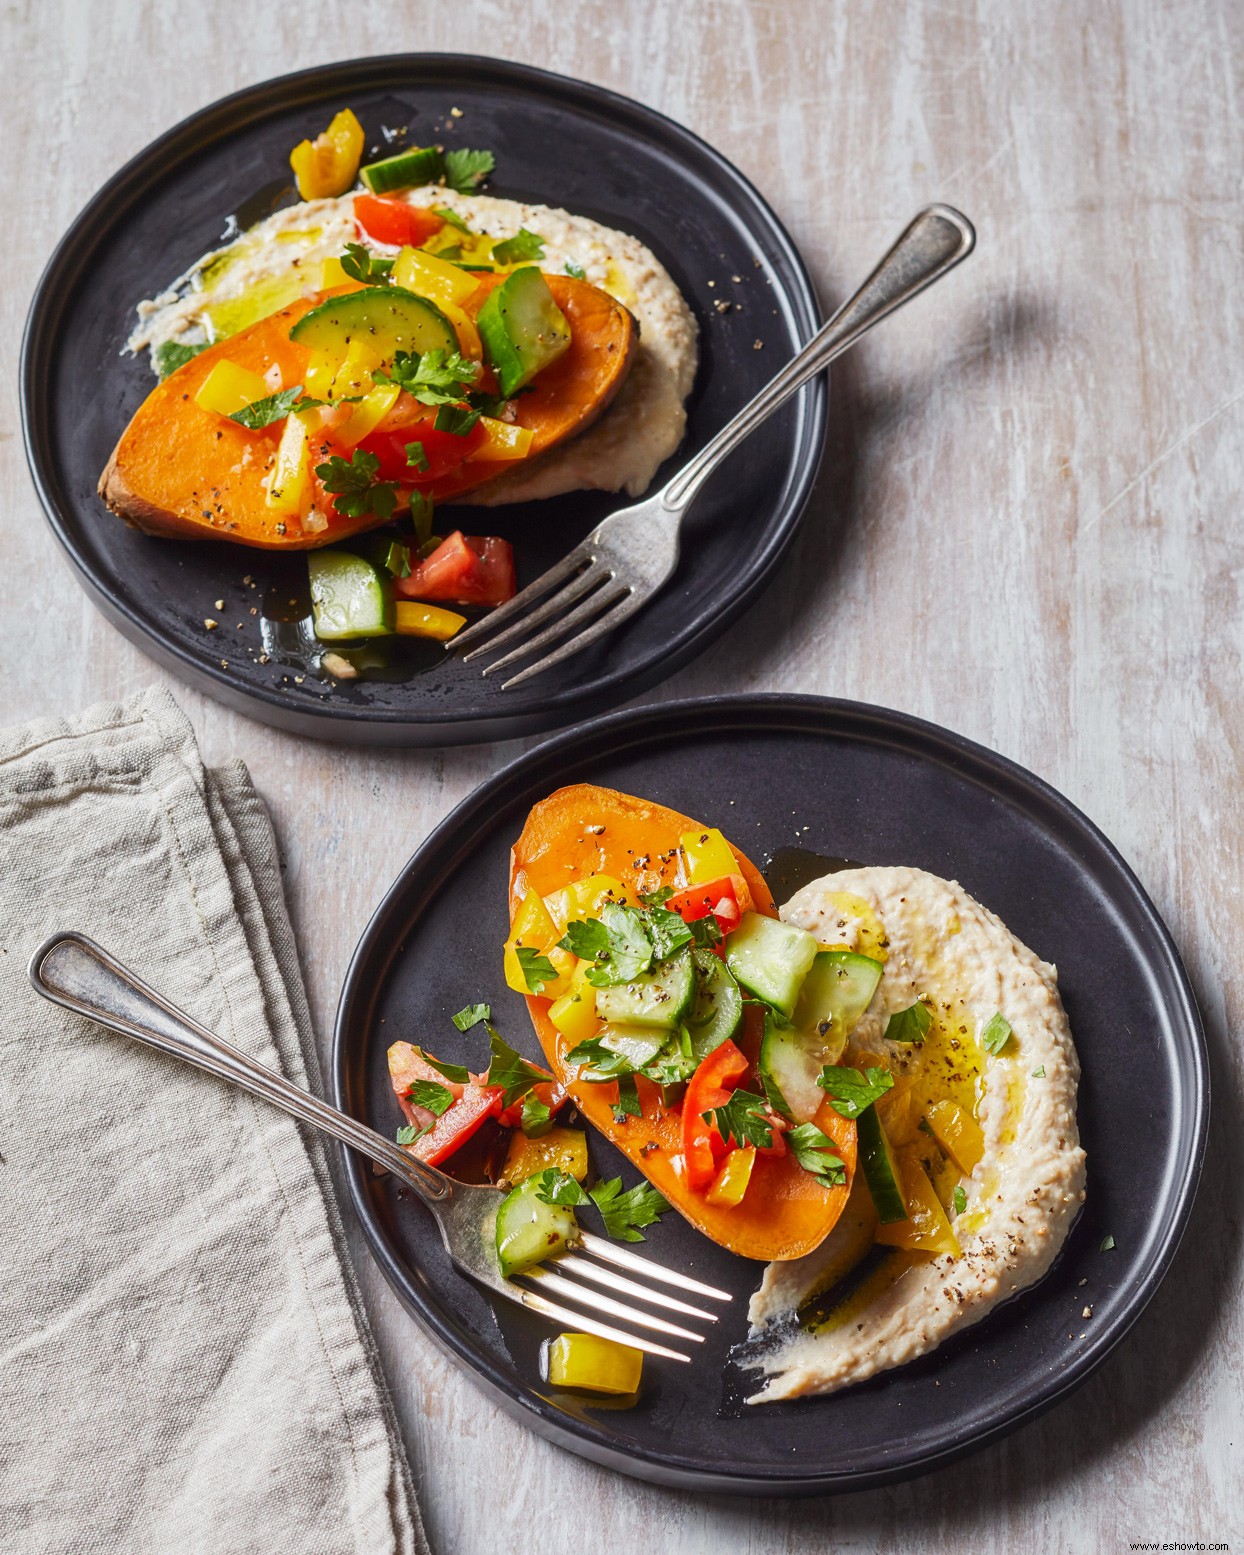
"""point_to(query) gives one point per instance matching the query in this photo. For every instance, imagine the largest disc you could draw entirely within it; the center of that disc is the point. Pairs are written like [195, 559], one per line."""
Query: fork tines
[565, 1277]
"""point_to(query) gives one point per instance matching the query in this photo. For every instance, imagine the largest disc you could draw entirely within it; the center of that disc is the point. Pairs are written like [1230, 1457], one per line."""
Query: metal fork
[628, 557]
[75, 972]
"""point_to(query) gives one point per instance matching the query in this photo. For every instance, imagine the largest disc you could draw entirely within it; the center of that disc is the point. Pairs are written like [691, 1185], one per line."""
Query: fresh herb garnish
[458, 1073]
[909, 1025]
[354, 485]
[959, 1199]
[1107, 1244]
[1039, 1074]
[466, 170]
[624, 1213]
[537, 969]
[431, 1096]
[705, 932]
[744, 1118]
[408, 1135]
[360, 264]
[471, 1015]
[435, 378]
[600, 1063]
[815, 1153]
[449, 216]
[997, 1033]
[627, 1104]
[492, 405]
[577, 271]
[262, 413]
[851, 1092]
[416, 457]
[587, 938]
[169, 355]
[421, 506]
[558, 1187]
[537, 1119]
[667, 931]
[457, 419]
[521, 247]
[616, 944]
[513, 1074]
[656, 898]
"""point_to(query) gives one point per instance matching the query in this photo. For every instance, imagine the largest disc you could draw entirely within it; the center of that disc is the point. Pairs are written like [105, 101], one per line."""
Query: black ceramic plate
[845, 781]
[558, 142]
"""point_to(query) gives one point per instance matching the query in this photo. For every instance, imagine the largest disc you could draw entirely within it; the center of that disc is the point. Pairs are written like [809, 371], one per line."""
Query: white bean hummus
[279, 259]
[863, 1307]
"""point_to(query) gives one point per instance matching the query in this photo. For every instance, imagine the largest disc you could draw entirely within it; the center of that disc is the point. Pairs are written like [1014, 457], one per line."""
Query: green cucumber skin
[659, 999]
[717, 1012]
[419, 165]
[638, 1045]
[522, 328]
[396, 318]
[529, 1230]
[838, 989]
[880, 1171]
[790, 1064]
[349, 597]
[770, 959]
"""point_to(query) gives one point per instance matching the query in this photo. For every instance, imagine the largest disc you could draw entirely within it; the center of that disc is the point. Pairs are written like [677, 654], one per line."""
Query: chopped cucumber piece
[529, 1230]
[789, 1066]
[522, 328]
[349, 597]
[637, 1045]
[771, 959]
[659, 999]
[880, 1169]
[718, 1009]
[837, 990]
[419, 165]
[386, 319]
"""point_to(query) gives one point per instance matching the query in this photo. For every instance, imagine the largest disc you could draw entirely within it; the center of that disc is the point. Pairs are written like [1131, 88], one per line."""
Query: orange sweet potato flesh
[785, 1211]
[190, 474]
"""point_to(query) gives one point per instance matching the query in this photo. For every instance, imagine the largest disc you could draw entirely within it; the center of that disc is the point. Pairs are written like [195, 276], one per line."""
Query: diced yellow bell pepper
[574, 1014]
[562, 1148]
[321, 369]
[412, 619]
[229, 387]
[708, 855]
[354, 374]
[367, 415]
[535, 929]
[958, 1133]
[433, 278]
[331, 274]
[289, 485]
[583, 899]
[730, 1183]
[598, 1365]
[329, 164]
[926, 1228]
[897, 1114]
[502, 440]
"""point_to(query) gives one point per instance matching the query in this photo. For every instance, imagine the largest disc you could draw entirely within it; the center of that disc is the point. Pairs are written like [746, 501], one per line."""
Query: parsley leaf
[577, 271]
[513, 1074]
[959, 1199]
[850, 1093]
[354, 485]
[449, 216]
[587, 938]
[667, 931]
[909, 1025]
[536, 969]
[408, 1135]
[537, 1119]
[522, 246]
[815, 1153]
[262, 413]
[997, 1033]
[169, 355]
[360, 264]
[557, 1187]
[416, 457]
[743, 1119]
[599, 1062]
[471, 1015]
[616, 943]
[433, 1098]
[458, 419]
[458, 1073]
[627, 1104]
[656, 898]
[624, 1213]
[435, 378]
[489, 404]
[421, 516]
[705, 932]
[466, 170]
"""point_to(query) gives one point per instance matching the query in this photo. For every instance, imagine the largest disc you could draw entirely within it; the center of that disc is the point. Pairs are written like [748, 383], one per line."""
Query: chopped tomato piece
[473, 1102]
[709, 1087]
[464, 570]
[393, 221]
[410, 422]
[552, 1094]
[726, 898]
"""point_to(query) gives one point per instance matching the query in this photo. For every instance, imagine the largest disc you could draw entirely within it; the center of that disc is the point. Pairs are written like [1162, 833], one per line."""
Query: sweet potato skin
[785, 1213]
[189, 474]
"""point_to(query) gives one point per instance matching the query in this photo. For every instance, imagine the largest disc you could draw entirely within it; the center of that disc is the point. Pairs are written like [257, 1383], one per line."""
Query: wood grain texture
[1027, 529]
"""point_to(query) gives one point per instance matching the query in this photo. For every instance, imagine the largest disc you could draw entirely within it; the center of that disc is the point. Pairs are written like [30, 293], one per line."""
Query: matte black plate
[846, 781]
[558, 142]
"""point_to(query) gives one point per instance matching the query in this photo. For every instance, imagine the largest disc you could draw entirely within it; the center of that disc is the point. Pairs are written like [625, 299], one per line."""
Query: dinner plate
[844, 781]
[557, 142]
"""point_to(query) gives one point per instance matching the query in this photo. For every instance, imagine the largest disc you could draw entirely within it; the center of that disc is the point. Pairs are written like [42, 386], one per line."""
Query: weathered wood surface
[1028, 529]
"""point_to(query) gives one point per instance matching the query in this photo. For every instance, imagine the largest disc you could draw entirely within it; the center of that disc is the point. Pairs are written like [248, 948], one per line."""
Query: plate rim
[834, 716]
[362, 724]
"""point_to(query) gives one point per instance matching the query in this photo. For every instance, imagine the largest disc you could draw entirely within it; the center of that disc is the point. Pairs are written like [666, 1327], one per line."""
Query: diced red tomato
[709, 1087]
[726, 898]
[464, 570]
[553, 1095]
[472, 1104]
[322, 448]
[393, 221]
[411, 422]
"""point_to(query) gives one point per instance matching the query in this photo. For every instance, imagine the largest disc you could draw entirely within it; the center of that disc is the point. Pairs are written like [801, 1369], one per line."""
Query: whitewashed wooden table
[1028, 529]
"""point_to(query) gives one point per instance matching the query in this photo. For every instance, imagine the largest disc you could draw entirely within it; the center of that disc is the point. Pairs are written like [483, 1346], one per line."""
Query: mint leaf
[624, 1213]
[815, 1153]
[513, 1074]
[354, 485]
[744, 1119]
[909, 1025]
[850, 1093]
[537, 1119]
[262, 413]
[627, 1104]
[466, 170]
[169, 355]
[457, 419]
[667, 931]
[959, 1199]
[471, 1015]
[522, 246]
[433, 1098]
[557, 1187]
[537, 969]
[577, 271]
[416, 457]
[997, 1033]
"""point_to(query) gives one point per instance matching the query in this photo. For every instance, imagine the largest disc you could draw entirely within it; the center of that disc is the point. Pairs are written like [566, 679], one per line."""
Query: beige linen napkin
[184, 1360]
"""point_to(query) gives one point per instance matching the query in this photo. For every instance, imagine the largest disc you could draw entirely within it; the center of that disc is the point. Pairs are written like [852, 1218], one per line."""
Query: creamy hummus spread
[279, 259]
[851, 1308]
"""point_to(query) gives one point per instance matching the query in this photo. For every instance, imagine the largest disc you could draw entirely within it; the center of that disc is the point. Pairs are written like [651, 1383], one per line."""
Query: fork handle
[75, 972]
[934, 243]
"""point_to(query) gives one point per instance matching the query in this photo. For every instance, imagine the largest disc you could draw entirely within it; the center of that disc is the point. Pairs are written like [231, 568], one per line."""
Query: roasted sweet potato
[785, 1212]
[190, 474]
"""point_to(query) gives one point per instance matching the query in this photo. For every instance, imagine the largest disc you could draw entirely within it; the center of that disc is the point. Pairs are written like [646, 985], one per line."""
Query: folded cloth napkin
[185, 1364]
